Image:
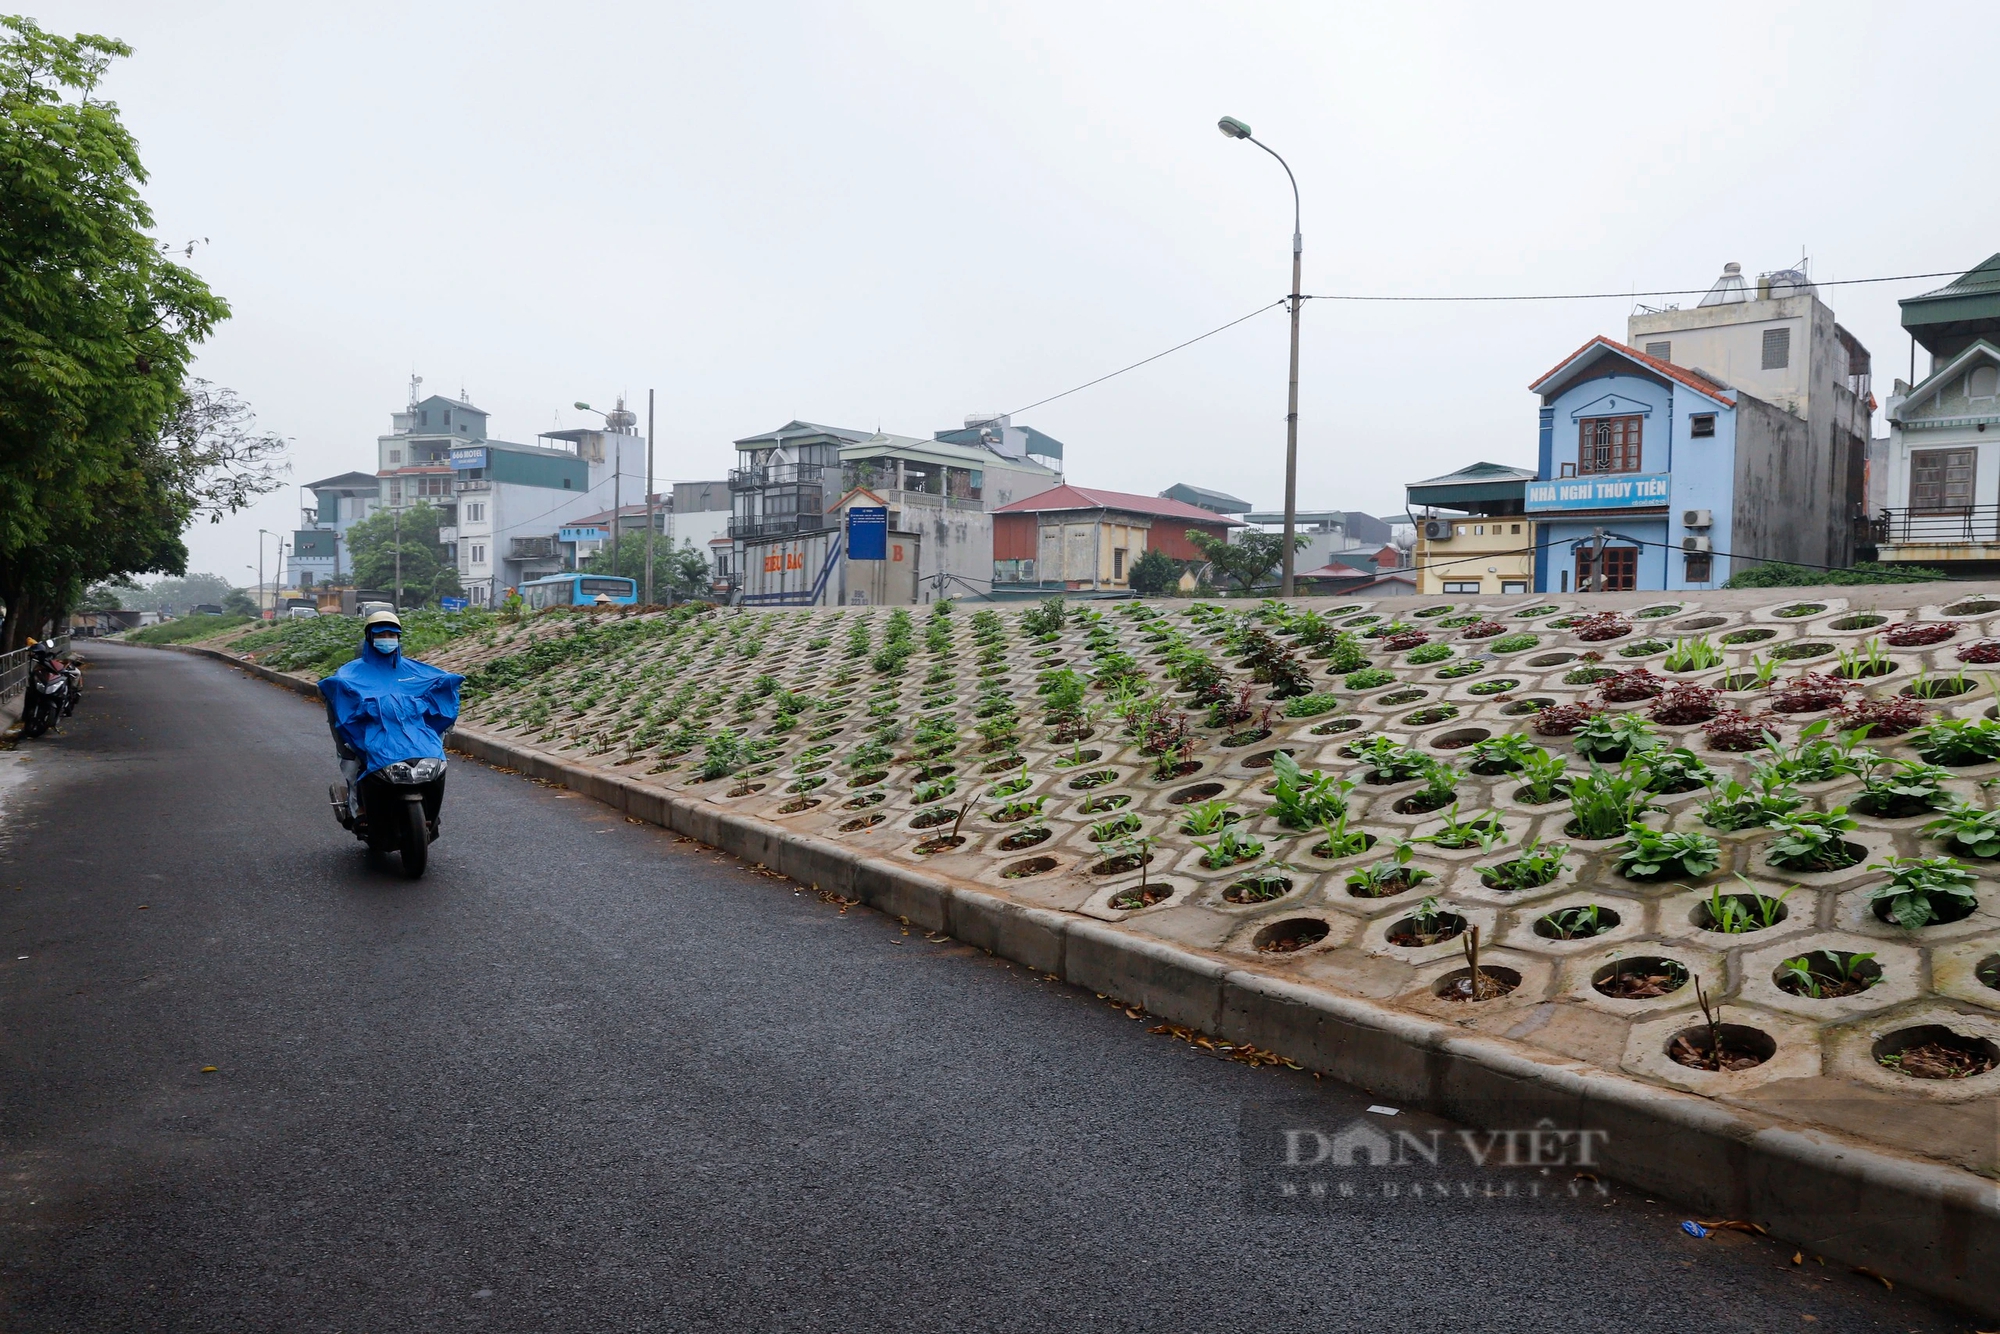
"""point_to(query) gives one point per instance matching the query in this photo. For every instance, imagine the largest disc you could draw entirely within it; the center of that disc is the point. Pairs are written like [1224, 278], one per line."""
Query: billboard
[868, 532]
[474, 457]
[1613, 491]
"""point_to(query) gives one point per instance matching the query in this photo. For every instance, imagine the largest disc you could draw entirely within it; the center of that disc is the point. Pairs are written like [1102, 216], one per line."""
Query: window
[1461, 585]
[1941, 479]
[1118, 562]
[478, 554]
[395, 456]
[1700, 568]
[1620, 572]
[1517, 528]
[1513, 586]
[1608, 444]
[1983, 382]
[1702, 425]
[1660, 351]
[475, 512]
[1777, 349]
[1479, 530]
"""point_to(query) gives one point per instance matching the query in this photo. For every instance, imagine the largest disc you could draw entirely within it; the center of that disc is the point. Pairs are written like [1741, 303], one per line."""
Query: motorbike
[53, 688]
[388, 715]
[395, 809]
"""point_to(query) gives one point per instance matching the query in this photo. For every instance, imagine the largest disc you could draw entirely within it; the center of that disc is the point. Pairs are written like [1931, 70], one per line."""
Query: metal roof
[884, 445]
[800, 430]
[347, 481]
[1082, 498]
[1967, 306]
[1219, 501]
[1559, 377]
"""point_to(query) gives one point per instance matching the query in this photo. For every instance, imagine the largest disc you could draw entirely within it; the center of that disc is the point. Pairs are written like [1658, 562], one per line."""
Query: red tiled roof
[1083, 498]
[1679, 374]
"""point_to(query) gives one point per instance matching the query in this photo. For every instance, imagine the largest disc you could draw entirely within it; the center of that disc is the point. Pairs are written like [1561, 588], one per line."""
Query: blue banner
[454, 604]
[474, 457]
[1610, 491]
[868, 532]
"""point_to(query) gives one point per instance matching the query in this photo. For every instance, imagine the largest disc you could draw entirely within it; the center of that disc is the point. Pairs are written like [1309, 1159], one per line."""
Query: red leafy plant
[1916, 634]
[1810, 692]
[1733, 729]
[1563, 719]
[1484, 630]
[1630, 687]
[1980, 650]
[1688, 702]
[1407, 639]
[1604, 625]
[1884, 717]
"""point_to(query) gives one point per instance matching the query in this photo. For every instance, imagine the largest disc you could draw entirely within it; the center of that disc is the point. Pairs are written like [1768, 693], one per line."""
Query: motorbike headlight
[428, 770]
[399, 772]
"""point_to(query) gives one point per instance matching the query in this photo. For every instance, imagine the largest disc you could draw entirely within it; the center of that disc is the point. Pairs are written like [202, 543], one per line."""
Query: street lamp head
[586, 407]
[1233, 127]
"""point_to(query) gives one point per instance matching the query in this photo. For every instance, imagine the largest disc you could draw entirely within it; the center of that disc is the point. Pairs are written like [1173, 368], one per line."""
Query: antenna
[416, 384]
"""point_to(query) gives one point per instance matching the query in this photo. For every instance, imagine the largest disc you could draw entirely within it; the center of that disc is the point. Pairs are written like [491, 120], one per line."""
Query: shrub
[1407, 639]
[1563, 719]
[1630, 687]
[1883, 717]
[1902, 788]
[1302, 800]
[1968, 829]
[1604, 804]
[1583, 676]
[1311, 706]
[1688, 702]
[1429, 653]
[1980, 651]
[1922, 890]
[1650, 854]
[1613, 737]
[1810, 692]
[1735, 730]
[1514, 643]
[1368, 678]
[1811, 841]
[1958, 741]
[1693, 655]
[1779, 575]
[1918, 634]
[1734, 806]
[1603, 625]
[1484, 630]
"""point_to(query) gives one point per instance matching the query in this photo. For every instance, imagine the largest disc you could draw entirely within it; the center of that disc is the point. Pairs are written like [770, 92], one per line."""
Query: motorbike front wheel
[35, 716]
[415, 839]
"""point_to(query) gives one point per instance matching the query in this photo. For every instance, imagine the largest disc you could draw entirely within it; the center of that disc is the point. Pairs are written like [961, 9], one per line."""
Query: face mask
[386, 643]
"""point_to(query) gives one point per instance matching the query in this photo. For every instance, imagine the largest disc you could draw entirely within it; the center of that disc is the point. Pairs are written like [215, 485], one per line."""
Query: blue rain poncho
[384, 707]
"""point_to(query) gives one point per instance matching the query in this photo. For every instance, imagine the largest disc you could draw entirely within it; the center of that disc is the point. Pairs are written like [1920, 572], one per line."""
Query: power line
[1608, 296]
[1155, 357]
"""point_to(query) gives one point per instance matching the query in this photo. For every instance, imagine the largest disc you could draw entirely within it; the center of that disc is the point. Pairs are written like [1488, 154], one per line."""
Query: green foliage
[1390, 876]
[1739, 914]
[1155, 572]
[1389, 760]
[1301, 800]
[1530, 868]
[184, 629]
[1693, 655]
[1425, 653]
[1651, 854]
[1811, 840]
[1248, 559]
[1208, 817]
[1778, 575]
[373, 546]
[107, 448]
[1229, 848]
[1902, 788]
[1484, 831]
[1368, 678]
[1816, 758]
[1971, 829]
[1545, 776]
[323, 643]
[1919, 890]
[1613, 736]
[1311, 706]
[1514, 643]
[1605, 804]
[1732, 805]
[1959, 740]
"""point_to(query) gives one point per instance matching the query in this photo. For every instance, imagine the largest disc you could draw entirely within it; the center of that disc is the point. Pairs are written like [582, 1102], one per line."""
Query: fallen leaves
[839, 901]
[1866, 1272]
[1242, 1052]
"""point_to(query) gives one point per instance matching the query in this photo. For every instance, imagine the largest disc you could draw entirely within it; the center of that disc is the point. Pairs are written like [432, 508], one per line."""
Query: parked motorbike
[53, 688]
[388, 715]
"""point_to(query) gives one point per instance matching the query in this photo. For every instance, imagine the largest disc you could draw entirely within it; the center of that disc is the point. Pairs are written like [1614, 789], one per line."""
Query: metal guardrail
[14, 668]
[1965, 523]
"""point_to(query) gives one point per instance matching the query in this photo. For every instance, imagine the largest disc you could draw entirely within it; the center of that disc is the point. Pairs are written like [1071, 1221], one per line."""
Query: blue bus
[579, 590]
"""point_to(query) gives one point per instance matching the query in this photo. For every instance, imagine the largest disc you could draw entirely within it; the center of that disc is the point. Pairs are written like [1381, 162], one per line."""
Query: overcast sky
[895, 214]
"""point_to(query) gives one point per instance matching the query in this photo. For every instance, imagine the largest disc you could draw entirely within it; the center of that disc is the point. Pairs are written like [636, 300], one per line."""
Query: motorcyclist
[383, 708]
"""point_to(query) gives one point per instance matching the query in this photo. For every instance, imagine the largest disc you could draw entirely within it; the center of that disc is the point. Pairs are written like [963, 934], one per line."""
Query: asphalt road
[586, 1077]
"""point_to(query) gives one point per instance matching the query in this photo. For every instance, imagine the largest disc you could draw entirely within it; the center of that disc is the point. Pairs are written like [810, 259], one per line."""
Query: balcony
[775, 525]
[1965, 525]
[532, 548]
[776, 474]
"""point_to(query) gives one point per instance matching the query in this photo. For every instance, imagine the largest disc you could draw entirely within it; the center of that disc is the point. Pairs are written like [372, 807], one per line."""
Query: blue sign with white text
[454, 604]
[469, 458]
[868, 532]
[1615, 491]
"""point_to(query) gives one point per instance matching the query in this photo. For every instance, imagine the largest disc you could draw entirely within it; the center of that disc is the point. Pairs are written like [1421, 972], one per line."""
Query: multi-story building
[1473, 534]
[1075, 539]
[1656, 476]
[796, 483]
[1941, 488]
[319, 547]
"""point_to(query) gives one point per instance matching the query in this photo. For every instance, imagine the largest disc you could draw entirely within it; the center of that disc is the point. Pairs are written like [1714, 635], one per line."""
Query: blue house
[1683, 475]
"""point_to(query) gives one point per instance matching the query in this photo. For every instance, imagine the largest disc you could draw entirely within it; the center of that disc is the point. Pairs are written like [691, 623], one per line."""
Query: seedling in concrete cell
[1388, 877]
[1232, 848]
[1532, 867]
[1922, 890]
[1341, 841]
[1208, 817]
[1734, 806]
[1740, 914]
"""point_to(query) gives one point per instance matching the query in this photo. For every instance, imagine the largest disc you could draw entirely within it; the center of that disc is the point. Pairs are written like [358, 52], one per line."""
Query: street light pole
[649, 497]
[262, 533]
[1236, 129]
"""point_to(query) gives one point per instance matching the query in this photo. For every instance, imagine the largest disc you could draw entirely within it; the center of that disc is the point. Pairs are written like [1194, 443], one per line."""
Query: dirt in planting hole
[934, 817]
[1724, 1047]
[1488, 984]
[1022, 839]
[1131, 900]
[1642, 979]
[1939, 1059]
[942, 843]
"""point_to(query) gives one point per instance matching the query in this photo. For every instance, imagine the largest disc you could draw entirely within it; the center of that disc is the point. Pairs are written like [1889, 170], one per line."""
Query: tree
[113, 596]
[1249, 558]
[1155, 571]
[373, 545]
[679, 572]
[238, 602]
[160, 595]
[107, 451]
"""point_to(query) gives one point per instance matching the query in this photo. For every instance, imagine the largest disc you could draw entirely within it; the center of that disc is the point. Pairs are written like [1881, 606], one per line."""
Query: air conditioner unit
[1697, 518]
[1695, 545]
[1438, 530]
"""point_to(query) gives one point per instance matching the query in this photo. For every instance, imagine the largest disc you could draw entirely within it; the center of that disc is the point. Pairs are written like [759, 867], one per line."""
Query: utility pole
[399, 559]
[617, 477]
[1593, 565]
[260, 573]
[649, 497]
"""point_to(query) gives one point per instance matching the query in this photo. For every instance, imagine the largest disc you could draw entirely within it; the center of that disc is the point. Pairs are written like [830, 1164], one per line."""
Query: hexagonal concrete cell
[1856, 1050]
[1833, 960]
[1542, 925]
[1795, 1051]
[1580, 976]
[1968, 970]
[1854, 911]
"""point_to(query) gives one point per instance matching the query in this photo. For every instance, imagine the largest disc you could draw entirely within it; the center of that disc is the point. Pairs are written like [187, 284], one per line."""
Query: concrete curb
[1934, 1227]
